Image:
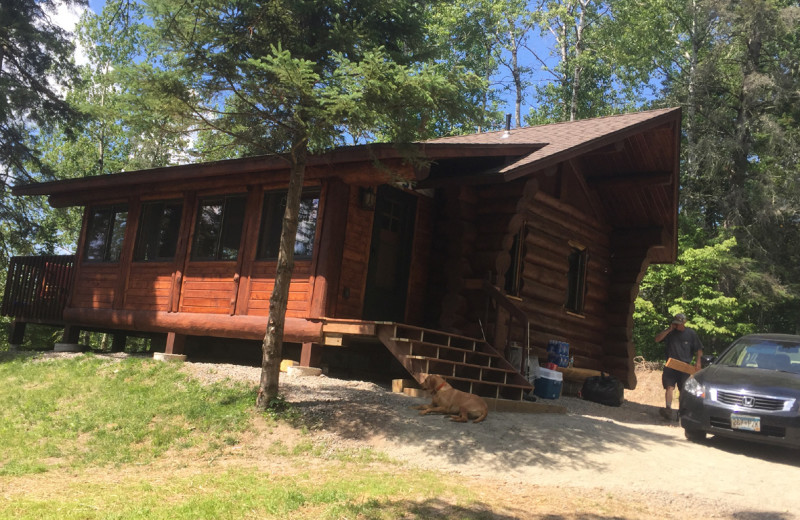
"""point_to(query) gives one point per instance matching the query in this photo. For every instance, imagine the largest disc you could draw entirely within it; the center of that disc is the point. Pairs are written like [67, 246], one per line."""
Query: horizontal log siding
[355, 260]
[95, 286]
[551, 225]
[149, 286]
[208, 287]
[262, 282]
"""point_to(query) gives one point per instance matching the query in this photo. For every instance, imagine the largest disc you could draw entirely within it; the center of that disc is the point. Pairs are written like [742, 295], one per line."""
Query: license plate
[746, 422]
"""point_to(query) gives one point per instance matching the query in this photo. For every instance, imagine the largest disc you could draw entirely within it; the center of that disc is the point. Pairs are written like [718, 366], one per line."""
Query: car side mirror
[707, 360]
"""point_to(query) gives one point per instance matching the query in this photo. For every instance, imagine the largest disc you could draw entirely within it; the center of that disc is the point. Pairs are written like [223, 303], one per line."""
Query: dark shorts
[672, 377]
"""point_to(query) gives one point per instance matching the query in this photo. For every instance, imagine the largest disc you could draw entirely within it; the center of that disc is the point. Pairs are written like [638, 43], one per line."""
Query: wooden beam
[630, 180]
[329, 248]
[310, 355]
[297, 330]
[17, 334]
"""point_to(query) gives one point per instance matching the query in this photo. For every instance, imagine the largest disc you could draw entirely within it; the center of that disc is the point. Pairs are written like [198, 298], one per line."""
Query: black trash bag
[603, 389]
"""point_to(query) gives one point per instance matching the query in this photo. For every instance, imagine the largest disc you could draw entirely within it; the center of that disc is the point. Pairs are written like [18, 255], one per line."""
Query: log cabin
[495, 239]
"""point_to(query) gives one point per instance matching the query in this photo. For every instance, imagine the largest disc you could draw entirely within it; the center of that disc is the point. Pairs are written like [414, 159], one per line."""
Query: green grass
[87, 411]
[87, 438]
[238, 493]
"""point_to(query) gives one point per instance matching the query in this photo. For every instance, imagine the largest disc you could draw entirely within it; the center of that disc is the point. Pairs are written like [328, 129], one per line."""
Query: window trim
[173, 201]
[513, 278]
[115, 209]
[225, 197]
[576, 281]
[263, 227]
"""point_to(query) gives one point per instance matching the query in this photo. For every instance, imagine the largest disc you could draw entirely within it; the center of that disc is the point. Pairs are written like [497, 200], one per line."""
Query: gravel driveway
[626, 451]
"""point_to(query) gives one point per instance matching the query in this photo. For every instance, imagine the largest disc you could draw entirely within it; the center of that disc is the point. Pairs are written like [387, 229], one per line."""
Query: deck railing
[37, 288]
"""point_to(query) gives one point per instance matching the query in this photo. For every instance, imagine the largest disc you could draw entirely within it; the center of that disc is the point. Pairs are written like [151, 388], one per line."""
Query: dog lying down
[461, 406]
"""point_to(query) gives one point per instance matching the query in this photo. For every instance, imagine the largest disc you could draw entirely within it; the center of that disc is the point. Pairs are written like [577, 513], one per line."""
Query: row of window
[217, 234]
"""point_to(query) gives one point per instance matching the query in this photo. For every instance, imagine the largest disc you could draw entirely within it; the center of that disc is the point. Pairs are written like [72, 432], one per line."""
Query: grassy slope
[91, 438]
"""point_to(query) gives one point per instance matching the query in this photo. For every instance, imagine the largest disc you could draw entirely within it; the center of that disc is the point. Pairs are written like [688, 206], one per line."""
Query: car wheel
[694, 435]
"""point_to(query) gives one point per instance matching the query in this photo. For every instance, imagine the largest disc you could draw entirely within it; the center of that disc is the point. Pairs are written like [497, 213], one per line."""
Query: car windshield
[766, 354]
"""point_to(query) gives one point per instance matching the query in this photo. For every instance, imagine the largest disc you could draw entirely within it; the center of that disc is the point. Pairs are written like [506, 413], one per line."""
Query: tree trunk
[576, 72]
[272, 347]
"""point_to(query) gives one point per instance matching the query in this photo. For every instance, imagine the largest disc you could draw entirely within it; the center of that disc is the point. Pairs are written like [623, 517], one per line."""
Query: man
[681, 343]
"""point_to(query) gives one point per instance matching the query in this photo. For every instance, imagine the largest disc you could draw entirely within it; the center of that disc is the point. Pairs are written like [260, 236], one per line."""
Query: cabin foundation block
[67, 347]
[162, 356]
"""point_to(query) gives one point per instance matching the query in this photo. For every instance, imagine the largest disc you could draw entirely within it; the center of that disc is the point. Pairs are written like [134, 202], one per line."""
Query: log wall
[263, 281]
[95, 285]
[473, 241]
[149, 286]
[550, 227]
[355, 259]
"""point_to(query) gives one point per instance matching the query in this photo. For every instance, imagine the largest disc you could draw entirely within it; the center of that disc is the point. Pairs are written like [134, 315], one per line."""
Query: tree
[738, 79]
[35, 68]
[296, 77]
[589, 79]
[706, 283]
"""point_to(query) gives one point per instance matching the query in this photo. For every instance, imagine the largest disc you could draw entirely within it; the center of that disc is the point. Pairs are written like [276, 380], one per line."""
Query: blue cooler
[548, 383]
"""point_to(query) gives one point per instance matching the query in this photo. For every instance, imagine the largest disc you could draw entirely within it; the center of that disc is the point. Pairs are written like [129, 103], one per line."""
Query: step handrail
[494, 294]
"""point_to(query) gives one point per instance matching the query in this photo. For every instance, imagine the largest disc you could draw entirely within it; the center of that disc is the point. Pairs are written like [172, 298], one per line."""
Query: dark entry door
[390, 255]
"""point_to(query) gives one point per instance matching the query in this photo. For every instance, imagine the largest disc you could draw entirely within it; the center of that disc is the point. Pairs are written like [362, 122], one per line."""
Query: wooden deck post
[311, 355]
[174, 349]
[119, 341]
[17, 335]
[70, 340]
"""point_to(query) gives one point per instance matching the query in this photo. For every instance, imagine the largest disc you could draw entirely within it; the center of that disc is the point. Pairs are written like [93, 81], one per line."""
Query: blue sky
[67, 18]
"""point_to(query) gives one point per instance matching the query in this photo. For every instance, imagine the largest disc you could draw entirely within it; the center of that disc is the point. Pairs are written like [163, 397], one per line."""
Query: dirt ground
[627, 461]
[593, 462]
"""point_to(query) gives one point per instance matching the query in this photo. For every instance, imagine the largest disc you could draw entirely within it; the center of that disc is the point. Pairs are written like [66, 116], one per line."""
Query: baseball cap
[679, 319]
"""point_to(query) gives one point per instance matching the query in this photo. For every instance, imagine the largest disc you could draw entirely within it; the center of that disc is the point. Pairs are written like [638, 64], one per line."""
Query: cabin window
[513, 284]
[272, 223]
[576, 279]
[158, 231]
[105, 233]
[218, 228]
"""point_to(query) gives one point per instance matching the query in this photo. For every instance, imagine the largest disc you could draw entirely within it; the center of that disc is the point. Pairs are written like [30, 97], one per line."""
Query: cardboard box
[681, 366]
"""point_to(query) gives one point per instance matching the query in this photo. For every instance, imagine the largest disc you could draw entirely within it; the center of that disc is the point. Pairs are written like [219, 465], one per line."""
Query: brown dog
[461, 406]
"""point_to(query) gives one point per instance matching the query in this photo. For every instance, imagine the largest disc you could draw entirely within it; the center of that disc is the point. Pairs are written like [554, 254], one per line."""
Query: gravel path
[628, 450]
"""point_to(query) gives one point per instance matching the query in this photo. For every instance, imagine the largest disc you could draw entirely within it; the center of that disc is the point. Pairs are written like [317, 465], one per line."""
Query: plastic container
[548, 384]
[558, 352]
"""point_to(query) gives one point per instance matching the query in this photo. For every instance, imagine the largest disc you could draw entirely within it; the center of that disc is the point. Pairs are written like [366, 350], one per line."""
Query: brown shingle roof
[554, 140]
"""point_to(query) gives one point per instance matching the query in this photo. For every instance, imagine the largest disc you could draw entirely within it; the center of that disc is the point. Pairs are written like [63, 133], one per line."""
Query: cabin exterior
[521, 237]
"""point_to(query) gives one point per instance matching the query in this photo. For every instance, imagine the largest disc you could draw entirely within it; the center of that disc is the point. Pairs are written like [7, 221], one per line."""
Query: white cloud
[66, 17]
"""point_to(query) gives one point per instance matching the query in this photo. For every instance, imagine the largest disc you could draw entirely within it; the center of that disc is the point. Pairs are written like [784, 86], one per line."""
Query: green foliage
[35, 66]
[720, 292]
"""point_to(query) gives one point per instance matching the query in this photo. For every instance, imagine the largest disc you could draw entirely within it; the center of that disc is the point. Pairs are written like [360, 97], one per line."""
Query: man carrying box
[681, 343]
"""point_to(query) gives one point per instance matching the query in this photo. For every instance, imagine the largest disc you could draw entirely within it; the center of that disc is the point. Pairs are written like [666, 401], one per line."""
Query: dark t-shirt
[682, 344]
